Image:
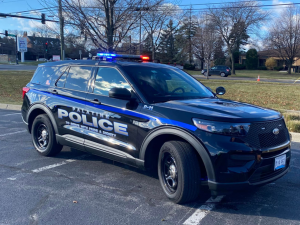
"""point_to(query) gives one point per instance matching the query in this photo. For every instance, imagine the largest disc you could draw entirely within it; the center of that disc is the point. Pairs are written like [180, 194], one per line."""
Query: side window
[214, 68]
[45, 75]
[62, 80]
[60, 70]
[78, 77]
[108, 78]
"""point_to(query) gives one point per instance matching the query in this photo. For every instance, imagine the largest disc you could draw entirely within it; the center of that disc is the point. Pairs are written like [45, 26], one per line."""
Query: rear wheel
[179, 171]
[223, 75]
[43, 136]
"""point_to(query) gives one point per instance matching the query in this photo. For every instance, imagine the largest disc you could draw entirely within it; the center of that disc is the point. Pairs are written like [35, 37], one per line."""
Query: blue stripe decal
[122, 111]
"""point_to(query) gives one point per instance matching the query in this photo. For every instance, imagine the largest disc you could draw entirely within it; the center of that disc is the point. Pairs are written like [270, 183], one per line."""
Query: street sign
[22, 44]
[56, 58]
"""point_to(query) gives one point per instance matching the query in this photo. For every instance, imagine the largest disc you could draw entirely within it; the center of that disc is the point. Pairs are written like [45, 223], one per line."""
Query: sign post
[22, 47]
[80, 52]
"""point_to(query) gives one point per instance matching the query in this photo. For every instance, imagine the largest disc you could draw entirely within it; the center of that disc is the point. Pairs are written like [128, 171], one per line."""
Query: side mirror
[120, 93]
[220, 91]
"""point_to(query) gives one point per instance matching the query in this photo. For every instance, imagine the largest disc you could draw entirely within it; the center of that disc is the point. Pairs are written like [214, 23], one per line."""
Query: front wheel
[43, 136]
[179, 171]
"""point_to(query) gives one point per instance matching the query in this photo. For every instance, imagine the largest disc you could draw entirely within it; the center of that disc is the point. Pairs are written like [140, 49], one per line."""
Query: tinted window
[62, 80]
[78, 77]
[164, 84]
[108, 78]
[47, 75]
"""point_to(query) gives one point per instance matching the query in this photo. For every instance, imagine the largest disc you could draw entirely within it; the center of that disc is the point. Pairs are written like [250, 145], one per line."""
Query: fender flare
[46, 110]
[186, 136]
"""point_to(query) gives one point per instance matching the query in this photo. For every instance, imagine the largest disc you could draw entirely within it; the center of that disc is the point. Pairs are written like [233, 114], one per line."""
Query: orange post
[258, 79]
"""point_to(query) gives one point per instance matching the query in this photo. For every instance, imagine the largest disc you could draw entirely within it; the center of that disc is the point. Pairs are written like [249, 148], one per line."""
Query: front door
[110, 119]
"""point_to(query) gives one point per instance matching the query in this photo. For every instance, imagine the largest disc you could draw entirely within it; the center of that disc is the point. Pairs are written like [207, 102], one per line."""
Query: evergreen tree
[168, 49]
[251, 59]
[187, 32]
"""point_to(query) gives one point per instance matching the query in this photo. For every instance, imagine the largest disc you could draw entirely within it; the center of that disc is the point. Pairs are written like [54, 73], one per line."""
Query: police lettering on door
[80, 120]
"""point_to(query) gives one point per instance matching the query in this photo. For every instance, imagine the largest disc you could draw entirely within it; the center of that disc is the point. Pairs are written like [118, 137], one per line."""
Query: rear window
[47, 75]
[78, 77]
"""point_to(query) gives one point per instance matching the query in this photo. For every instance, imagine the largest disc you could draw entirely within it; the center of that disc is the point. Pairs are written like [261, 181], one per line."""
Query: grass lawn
[32, 63]
[11, 84]
[254, 73]
[271, 95]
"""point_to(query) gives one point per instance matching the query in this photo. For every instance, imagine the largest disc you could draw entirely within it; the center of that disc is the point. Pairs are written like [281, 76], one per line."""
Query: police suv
[155, 116]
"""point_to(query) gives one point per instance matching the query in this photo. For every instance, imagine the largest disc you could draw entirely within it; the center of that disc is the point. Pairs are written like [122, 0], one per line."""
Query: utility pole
[61, 25]
[140, 32]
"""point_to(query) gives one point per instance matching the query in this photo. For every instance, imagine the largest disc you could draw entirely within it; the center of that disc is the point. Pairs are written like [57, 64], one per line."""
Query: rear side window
[78, 77]
[47, 75]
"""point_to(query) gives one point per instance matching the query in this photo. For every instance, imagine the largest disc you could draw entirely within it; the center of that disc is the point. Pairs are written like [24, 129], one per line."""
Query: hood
[222, 110]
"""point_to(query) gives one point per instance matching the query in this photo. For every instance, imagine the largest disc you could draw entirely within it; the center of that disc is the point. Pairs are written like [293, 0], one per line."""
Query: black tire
[43, 136]
[187, 169]
[223, 74]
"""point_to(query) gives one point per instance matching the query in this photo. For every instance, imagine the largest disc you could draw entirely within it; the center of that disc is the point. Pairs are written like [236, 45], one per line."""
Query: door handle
[54, 92]
[96, 101]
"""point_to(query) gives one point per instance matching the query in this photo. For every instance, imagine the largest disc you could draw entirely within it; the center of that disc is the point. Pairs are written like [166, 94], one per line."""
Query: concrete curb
[295, 137]
[10, 107]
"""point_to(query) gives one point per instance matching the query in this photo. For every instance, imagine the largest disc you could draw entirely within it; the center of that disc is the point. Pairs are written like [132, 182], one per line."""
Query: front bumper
[262, 174]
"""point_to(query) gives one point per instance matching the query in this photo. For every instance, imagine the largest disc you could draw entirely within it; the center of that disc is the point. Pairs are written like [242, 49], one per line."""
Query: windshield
[165, 84]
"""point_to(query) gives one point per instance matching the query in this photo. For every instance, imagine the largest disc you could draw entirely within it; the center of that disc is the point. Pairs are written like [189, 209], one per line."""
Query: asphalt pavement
[77, 188]
[17, 67]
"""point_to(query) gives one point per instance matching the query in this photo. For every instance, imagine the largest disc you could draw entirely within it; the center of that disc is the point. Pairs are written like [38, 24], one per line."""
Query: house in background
[264, 55]
[36, 47]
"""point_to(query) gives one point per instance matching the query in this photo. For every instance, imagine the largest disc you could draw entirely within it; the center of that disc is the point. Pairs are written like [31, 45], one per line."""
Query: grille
[261, 135]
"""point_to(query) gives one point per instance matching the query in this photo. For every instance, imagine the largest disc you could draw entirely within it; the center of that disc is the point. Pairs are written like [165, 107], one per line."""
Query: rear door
[213, 70]
[110, 120]
[70, 94]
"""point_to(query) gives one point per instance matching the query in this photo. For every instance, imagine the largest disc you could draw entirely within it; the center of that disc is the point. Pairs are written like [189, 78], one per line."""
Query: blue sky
[11, 6]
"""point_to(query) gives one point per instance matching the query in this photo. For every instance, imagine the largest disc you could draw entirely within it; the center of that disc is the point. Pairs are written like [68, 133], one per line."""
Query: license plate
[280, 162]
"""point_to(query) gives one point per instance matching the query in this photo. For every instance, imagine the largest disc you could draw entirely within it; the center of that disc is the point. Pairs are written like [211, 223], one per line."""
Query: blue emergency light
[106, 54]
[111, 56]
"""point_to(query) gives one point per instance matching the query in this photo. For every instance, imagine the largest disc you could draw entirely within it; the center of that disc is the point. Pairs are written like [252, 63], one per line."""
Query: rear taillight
[227, 70]
[145, 58]
[25, 90]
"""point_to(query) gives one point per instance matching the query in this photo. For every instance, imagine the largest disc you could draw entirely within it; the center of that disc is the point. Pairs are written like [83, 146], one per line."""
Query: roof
[99, 63]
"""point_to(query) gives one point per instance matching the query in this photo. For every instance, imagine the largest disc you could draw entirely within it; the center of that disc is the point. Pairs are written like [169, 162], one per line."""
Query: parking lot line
[21, 131]
[58, 164]
[203, 210]
[11, 114]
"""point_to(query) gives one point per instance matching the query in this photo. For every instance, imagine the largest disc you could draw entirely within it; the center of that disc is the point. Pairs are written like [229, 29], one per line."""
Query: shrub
[262, 68]
[239, 66]
[270, 63]
[189, 66]
[278, 68]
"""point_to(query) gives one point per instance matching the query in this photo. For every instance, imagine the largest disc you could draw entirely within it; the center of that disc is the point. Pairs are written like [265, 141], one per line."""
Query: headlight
[233, 129]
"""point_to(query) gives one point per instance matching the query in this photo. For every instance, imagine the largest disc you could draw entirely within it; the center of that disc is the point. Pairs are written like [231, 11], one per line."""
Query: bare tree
[155, 21]
[204, 41]
[234, 22]
[105, 22]
[284, 36]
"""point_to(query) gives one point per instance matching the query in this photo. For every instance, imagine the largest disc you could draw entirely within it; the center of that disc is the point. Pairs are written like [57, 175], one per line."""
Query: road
[78, 188]
[287, 81]
[17, 67]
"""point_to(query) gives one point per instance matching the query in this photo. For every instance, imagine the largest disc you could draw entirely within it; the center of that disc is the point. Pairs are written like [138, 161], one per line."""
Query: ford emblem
[276, 131]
